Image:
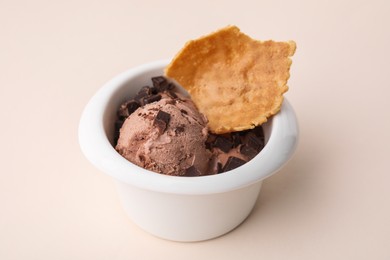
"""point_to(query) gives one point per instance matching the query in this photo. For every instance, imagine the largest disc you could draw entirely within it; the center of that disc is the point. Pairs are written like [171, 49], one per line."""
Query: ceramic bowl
[180, 208]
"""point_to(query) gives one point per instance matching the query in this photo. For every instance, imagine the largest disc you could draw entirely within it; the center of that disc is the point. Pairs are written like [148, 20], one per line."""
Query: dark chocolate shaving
[192, 171]
[232, 163]
[223, 143]
[161, 121]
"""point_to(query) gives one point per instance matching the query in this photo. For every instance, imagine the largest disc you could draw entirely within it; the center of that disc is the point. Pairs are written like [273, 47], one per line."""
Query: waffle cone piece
[235, 81]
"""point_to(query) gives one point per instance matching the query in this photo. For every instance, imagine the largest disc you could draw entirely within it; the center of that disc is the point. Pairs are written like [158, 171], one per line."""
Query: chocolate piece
[248, 151]
[127, 108]
[161, 121]
[258, 131]
[192, 172]
[160, 83]
[210, 140]
[151, 99]
[142, 94]
[131, 106]
[144, 91]
[254, 141]
[153, 90]
[232, 163]
[223, 143]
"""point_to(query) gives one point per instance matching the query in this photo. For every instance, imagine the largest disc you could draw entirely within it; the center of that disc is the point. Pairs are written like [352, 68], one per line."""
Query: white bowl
[180, 208]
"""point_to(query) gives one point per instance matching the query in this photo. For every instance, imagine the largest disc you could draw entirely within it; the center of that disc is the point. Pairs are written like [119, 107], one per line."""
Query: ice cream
[161, 130]
[166, 136]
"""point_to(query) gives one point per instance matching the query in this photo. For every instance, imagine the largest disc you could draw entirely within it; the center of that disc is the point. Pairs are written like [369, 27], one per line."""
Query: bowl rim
[99, 151]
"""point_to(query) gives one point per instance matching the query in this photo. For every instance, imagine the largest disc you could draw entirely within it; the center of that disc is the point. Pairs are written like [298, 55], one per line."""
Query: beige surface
[330, 202]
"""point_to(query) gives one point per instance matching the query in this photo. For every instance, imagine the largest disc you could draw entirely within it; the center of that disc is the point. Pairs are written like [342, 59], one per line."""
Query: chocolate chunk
[160, 83]
[254, 141]
[159, 80]
[258, 131]
[132, 106]
[161, 115]
[192, 171]
[223, 143]
[142, 94]
[161, 121]
[144, 91]
[151, 99]
[248, 151]
[183, 112]
[232, 163]
[210, 140]
[153, 90]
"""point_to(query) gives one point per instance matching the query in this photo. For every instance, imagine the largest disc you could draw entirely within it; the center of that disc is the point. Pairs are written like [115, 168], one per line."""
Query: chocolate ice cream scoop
[166, 136]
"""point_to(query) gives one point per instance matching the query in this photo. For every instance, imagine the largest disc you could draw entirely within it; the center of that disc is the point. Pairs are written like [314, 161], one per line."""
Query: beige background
[330, 202]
